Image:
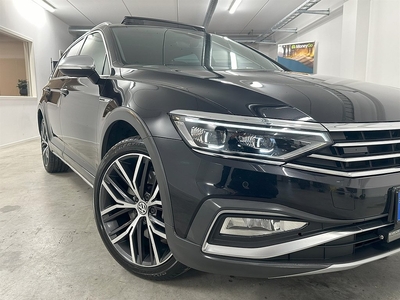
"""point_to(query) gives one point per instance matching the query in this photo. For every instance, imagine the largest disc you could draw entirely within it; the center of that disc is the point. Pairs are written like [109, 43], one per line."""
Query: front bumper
[192, 255]
[335, 249]
[345, 215]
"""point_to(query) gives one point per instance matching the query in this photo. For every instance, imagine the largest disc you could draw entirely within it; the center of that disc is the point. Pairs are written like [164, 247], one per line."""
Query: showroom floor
[50, 249]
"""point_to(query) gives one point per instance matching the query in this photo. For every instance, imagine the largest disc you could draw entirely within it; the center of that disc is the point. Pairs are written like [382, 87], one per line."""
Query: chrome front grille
[357, 151]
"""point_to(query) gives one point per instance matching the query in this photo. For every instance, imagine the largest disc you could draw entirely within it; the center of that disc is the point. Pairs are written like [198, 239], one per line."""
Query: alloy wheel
[44, 143]
[131, 210]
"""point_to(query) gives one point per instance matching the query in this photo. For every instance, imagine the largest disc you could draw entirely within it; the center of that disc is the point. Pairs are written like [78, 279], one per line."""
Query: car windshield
[155, 46]
[159, 46]
[230, 55]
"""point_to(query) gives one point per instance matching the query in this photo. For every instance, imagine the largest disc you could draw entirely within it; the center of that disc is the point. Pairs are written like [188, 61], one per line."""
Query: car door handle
[64, 91]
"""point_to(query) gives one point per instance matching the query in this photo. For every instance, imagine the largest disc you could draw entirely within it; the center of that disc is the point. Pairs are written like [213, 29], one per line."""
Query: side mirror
[79, 66]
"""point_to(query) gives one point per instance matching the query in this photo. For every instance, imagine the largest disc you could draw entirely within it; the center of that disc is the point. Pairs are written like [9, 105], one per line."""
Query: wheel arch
[39, 117]
[116, 132]
[126, 117]
[118, 124]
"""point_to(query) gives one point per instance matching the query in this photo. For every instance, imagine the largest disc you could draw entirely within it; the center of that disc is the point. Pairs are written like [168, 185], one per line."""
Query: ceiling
[251, 19]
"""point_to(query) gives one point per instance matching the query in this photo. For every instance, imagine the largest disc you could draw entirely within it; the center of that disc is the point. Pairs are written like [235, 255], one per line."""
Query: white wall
[48, 35]
[270, 50]
[355, 33]
[327, 35]
[360, 41]
[383, 57]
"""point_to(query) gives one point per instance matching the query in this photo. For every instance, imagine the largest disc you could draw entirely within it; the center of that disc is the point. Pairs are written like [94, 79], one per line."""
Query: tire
[129, 215]
[51, 163]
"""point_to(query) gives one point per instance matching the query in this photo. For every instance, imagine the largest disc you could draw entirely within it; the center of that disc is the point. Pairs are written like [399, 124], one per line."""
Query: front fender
[129, 116]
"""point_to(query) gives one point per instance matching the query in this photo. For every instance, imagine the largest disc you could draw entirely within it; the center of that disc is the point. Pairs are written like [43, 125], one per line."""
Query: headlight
[249, 136]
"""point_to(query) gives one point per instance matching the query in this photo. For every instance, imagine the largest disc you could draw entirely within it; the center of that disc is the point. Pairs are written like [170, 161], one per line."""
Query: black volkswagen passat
[205, 153]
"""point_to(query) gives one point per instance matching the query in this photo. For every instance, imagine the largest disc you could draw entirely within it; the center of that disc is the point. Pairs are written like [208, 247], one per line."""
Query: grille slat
[355, 159]
[360, 144]
[357, 151]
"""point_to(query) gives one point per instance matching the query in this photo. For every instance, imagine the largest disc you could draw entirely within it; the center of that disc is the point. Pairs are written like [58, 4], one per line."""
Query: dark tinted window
[229, 55]
[74, 50]
[95, 48]
[159, 46]
[183, 48]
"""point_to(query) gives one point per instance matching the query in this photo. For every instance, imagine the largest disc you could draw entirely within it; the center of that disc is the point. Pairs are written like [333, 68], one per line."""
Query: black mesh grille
[355, 151]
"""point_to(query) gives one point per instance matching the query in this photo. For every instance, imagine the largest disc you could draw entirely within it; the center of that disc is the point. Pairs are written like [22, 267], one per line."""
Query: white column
[355, 35]
[383, 62]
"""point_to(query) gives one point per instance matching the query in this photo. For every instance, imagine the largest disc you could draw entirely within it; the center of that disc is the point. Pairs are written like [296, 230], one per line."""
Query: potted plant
[23, 87]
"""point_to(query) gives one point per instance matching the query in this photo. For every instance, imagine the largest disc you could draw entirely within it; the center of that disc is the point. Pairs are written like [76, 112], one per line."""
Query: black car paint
[333, 197]
[325, 99]
[144, 97]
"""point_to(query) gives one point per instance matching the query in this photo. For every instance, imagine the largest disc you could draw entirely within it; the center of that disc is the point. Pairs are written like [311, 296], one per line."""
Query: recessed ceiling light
[234, 6]
[46, 5]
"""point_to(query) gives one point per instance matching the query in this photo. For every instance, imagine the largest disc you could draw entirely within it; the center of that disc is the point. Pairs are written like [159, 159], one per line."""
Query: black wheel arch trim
[129, 116]
[53, 148]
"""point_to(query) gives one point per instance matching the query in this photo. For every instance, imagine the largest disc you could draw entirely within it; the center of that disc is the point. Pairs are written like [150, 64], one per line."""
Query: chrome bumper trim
[345, 266]
[283, 248]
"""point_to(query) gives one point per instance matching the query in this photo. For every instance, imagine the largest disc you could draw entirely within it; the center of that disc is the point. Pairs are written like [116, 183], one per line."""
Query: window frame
[29, 62]
[84, 37]
[234, 54]
[65, 54]
[120, 54]
[106, 57]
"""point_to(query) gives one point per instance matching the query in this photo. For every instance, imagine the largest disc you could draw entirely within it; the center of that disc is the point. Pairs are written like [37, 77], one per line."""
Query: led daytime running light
[248, 136]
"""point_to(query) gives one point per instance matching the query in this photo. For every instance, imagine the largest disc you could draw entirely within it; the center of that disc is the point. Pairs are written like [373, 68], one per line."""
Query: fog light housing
[258, 227]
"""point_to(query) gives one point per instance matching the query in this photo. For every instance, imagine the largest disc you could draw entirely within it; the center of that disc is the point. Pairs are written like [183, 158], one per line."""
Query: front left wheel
[129, 213]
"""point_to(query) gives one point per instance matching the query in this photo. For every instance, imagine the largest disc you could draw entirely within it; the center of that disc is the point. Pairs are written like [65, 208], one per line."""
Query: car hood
[283, 95]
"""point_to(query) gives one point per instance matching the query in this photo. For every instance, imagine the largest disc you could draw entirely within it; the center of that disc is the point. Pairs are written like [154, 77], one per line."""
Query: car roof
[142, 21]
[130, 20]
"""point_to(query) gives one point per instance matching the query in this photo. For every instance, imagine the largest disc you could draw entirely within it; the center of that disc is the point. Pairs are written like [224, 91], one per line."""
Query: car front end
[210, 155]
[270, 173]
[333, 208]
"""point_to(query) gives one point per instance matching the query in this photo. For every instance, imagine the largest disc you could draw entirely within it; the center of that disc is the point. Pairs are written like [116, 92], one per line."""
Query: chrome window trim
[105, 47]
[64, 54]
[361, 144]
[283, 248]
[345, 266]
[344, 174]
[333, 127]
[354, 159]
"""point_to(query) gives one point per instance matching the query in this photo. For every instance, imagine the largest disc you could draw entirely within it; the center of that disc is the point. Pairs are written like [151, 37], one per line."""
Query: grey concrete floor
[50, 249]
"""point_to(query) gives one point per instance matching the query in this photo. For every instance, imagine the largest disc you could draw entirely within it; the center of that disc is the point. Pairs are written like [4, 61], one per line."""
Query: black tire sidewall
[127, 146]
[54, 164]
